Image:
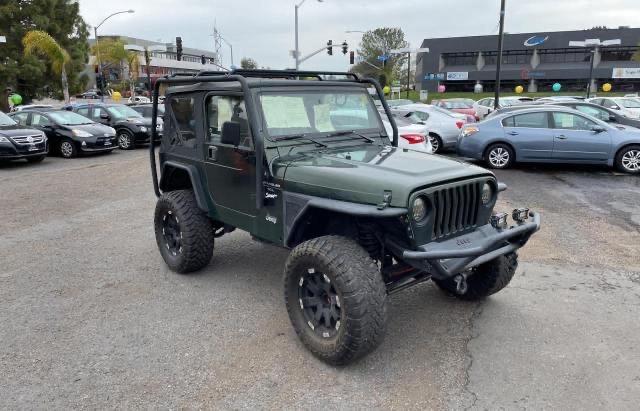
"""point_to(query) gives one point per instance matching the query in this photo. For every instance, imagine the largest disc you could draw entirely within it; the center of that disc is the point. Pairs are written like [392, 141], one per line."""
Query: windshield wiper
[297, 136]
[347, 132]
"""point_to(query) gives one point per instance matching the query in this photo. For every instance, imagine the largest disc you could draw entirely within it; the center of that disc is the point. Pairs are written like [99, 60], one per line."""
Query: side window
[21, 118]
[39, 120]
[184, 125]
[508, 122]
[83, 111]
[595, 112]
[531, 120]
[597, 101]
[422, 116]
[569, 121]
[221, 109]
[610, 104]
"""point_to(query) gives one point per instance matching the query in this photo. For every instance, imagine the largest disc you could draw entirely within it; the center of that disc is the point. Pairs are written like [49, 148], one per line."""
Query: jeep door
[574, 139]
[230, 170]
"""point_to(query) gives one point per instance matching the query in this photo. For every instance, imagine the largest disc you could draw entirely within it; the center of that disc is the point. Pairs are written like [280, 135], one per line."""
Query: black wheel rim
[171, 233]
[320, 303]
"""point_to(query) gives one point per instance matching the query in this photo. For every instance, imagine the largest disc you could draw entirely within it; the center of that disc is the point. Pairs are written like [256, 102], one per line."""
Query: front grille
[24, 140]
[455, 209]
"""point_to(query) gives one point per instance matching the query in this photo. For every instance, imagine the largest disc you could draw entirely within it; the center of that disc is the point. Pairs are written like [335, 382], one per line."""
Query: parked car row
[33, 132]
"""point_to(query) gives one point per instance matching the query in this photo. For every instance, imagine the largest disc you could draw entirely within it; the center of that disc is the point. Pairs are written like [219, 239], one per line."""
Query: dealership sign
[457, 75]
[626, 72]
[434, 76]
[535, 41]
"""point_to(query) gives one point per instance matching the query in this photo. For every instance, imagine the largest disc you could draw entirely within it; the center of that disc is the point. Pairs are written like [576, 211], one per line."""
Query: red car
[459, 105]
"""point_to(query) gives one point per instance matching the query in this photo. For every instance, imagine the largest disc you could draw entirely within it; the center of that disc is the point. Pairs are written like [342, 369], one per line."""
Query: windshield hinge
[386, 200]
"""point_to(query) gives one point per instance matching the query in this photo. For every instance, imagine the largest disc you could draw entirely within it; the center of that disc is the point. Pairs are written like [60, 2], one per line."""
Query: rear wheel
[183, 232]
[483, 280]
[628, 159]
[335, 298]
[436, 143]
[499, 156]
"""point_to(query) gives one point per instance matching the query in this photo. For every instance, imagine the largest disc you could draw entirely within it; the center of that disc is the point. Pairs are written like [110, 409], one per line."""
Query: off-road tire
[361, 290]
[628, 151]
[36, 159]
[485, 279]
[125, 139]
[195, 231]
[500, 149]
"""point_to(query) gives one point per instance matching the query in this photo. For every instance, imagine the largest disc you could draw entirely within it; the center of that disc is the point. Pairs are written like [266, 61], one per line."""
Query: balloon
[519, 89]
[116, 96]
[556, 87]
[386, 90]
[606, 87]
[441, 88]
[16, 99]
[478, 88]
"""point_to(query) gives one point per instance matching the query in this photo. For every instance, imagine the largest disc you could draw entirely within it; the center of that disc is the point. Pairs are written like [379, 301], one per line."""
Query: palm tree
[40, 42]
[113, 52]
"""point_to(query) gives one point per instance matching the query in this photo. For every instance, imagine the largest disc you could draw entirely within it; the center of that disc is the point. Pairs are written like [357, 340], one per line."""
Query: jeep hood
[362, 174]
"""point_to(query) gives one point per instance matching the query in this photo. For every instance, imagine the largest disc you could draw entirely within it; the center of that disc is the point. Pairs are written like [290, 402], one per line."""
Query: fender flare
[296, 206]
[194, 176]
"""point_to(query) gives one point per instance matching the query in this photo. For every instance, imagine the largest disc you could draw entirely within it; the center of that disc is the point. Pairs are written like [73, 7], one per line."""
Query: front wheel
[628, 160]
[483, 280]
[499, 156]
[125, 140]
[335, 298]
[67, 149]
[183, 232]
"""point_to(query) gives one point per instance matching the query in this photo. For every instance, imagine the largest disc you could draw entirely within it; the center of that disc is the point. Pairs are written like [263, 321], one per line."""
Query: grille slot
[24, 140]
[455, 209]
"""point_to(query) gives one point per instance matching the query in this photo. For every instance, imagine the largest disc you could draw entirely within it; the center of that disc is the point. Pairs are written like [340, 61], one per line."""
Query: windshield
[69, 118]
[5, 120]
[120, 112]
[443, 111]
[629, 103]
[326, 111]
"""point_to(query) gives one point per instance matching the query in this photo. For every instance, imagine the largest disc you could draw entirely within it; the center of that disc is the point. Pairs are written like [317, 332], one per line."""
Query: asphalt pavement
[92, 318]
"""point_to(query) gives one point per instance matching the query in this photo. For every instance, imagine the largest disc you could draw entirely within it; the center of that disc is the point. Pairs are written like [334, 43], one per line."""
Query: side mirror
[230, 133]
[598, 129]
[104, 116]
[613, 119]
[616, 107]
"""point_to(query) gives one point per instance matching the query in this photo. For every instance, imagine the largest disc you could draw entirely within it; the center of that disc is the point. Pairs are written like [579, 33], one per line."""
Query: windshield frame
[379, 131]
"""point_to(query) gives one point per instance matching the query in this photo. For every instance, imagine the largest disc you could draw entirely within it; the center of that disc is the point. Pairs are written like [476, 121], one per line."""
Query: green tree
[376, 43]
[38, 42]
[30, 75]
[248, 63]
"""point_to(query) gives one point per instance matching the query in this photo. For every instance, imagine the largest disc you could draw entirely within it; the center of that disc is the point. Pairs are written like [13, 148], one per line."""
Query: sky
[264, 29]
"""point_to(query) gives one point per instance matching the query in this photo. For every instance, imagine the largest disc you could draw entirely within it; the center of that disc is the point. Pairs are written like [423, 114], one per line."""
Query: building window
[571, 55]
[460, 59]
[618, 53]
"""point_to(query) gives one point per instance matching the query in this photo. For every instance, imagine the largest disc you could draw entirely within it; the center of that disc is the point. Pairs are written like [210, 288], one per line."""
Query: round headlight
[487, 194]
[419, 209]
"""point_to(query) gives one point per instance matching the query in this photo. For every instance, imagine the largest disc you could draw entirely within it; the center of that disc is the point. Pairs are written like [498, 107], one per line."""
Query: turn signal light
[413, 138]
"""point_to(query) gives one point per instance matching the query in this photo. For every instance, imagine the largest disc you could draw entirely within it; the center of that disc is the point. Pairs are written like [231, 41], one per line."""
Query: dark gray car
[550, 135]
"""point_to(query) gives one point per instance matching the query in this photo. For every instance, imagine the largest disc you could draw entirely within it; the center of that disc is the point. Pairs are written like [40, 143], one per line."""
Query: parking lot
[92, 318]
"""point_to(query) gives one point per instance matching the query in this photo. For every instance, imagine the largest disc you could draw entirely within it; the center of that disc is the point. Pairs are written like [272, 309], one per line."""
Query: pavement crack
[473, 333]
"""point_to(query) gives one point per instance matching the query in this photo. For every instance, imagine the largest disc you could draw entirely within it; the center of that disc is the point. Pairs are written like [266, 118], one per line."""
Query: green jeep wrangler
[302, 160]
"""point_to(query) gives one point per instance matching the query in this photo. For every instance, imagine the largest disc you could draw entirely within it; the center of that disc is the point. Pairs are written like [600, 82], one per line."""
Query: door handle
[561, 137]
[513, 133]
[213, 153]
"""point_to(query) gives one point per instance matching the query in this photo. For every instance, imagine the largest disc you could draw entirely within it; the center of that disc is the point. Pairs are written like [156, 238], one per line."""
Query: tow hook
[461, 283]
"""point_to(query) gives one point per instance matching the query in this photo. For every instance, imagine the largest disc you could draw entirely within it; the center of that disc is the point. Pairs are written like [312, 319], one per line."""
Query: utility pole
[496, 100]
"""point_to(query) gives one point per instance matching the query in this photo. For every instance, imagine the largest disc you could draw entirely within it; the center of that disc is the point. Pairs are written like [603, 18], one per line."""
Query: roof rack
[285, 74]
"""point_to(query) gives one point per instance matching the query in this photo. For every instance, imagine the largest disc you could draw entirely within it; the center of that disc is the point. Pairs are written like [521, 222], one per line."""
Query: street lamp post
[592, 44]
[409, 51]
[297, 50]
[95, 32]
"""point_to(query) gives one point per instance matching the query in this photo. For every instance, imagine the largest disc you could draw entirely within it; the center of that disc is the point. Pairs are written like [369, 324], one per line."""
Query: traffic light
[352, 57]
[203, 59]
[345, 47]
[330, 47]
[179, 48]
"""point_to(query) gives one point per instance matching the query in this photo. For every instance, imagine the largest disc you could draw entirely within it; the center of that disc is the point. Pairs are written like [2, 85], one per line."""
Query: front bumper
[9, 151]
[450, 257]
